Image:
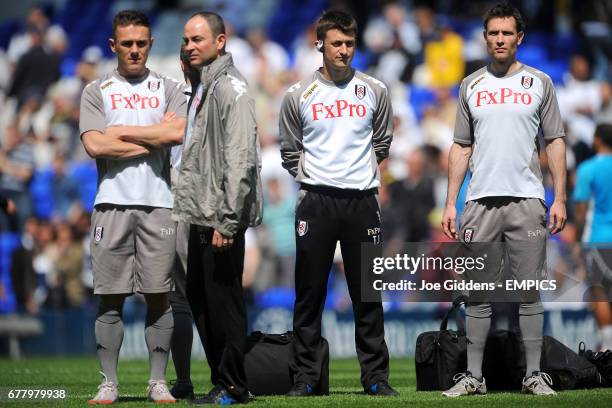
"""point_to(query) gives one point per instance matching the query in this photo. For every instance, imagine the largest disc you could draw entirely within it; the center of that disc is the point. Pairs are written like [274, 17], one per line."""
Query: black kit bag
[440, 355]
[567, 369]
[503, 364]
[267, 364]
[602, 360]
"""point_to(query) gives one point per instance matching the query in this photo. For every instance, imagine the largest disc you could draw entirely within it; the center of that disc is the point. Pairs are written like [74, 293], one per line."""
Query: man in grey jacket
[218, 192]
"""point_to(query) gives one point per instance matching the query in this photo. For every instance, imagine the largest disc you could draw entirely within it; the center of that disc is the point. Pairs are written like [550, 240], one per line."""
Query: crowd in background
[420, 52]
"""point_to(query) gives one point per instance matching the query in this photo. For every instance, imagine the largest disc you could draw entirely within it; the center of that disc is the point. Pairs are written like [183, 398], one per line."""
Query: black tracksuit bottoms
[214, 291]
[324, 216]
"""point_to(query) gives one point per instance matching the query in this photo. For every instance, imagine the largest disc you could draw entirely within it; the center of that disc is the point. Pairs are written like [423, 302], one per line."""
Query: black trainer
[220, 396]
[382, 388]
[182, 390]
[301, 389]
[214, 391]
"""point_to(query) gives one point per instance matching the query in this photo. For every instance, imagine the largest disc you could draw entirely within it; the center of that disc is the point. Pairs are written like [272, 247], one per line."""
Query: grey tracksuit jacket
[219, 184]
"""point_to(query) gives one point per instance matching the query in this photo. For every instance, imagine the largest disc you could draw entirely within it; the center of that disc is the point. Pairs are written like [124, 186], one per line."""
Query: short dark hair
[604, 133]
[130, 17]
[184, 56]
[504, 10]
[336, 20]
[214, 20]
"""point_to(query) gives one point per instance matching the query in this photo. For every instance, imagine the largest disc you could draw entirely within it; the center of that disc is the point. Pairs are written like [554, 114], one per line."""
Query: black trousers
[325, 216]
[214, 291]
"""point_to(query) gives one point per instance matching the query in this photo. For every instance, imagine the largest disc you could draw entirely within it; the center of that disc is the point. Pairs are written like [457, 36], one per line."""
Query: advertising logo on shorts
[153, 85]
[98, 234]
[360, 91]
[468, 234]
[302, 228]
[527, 81]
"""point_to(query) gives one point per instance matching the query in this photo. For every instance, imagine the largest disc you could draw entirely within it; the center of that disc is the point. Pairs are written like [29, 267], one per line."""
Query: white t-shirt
[501, 117]
[114, 100]
[334, 135]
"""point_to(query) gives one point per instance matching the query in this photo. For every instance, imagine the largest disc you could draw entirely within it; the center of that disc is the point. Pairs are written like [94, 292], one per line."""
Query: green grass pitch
[79, 376]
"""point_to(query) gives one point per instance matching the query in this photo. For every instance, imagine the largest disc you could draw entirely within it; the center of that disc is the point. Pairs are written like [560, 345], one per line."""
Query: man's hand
[220, 242]
[558, 217]
[449, 221]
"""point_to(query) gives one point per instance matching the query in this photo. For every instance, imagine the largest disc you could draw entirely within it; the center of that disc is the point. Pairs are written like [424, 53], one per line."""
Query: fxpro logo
[134, 101]
[502, 96]
[537, 233]
[166, 231]
[337, 110]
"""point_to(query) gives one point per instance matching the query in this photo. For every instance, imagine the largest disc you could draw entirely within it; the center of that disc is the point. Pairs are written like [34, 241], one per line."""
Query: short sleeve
[175, 97]
[92, 109]
[551, 123]
[463, 127]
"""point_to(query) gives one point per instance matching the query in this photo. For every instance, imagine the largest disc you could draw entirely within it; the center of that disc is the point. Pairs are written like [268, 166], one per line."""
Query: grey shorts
[517, 225]
[132, 249]
[598, 259]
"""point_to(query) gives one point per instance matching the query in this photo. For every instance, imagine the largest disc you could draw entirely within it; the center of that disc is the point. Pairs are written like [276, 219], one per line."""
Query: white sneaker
[108, 393]
[538, 384]
[465, 384]
[158, 392]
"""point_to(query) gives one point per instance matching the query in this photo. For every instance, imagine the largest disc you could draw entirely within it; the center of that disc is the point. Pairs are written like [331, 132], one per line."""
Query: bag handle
[456, 307]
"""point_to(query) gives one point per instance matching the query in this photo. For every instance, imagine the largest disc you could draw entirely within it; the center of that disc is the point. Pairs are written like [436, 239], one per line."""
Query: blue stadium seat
[532, 54]
[7, 30]
[41, 191]
[69, 67]
[564, 47]
[275, 297]
[8, 243]
[86, 175]
[556, 70]
[291, 18]
[420, 98]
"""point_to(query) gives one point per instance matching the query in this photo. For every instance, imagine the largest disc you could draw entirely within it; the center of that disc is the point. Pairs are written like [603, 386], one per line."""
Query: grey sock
[182, 339]
[477, 329]
[109, 336]
[159, 325]
[532, 327]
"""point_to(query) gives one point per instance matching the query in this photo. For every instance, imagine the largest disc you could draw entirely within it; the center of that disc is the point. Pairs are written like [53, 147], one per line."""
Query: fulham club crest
[360, 91]
[98, 234]
[468, 234]
[154, 85]
[527, 81]
[302, 228]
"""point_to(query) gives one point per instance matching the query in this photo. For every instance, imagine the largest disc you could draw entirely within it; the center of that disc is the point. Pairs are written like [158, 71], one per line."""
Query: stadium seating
[8, 242]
